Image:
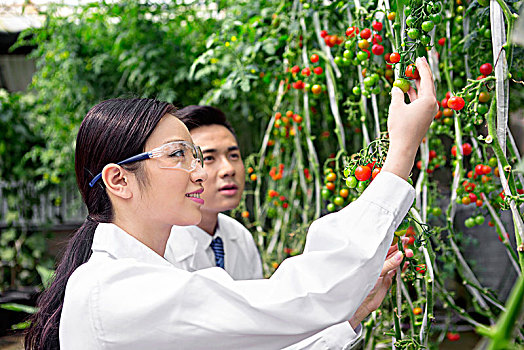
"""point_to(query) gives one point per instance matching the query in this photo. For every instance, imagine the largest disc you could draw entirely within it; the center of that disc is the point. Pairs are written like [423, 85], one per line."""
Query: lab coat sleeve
[308, 293]
[340, 336]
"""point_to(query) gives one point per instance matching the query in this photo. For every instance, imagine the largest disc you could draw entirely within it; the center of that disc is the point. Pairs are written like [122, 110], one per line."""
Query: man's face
[224, 166]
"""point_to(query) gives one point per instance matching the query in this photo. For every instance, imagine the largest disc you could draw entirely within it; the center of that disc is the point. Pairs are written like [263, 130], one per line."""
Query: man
[194, 247]
[198, 247]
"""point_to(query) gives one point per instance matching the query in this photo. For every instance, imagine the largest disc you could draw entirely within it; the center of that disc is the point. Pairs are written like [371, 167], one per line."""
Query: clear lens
[179, 154]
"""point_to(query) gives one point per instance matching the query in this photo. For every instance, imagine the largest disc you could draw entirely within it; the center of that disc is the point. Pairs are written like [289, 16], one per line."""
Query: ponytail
[43, 333]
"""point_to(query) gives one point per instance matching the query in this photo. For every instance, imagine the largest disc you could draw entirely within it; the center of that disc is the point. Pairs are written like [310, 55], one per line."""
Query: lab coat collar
[194, 237]
[113, 240]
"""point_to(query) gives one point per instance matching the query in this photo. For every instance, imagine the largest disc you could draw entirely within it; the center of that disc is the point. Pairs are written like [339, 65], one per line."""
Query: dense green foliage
[305, 124]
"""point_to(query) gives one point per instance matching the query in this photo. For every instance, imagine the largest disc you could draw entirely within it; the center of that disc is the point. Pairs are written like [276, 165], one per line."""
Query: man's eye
[234, 156]
[208, 159]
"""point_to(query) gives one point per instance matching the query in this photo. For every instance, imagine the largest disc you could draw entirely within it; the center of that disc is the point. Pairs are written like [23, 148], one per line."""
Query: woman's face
[170, 196]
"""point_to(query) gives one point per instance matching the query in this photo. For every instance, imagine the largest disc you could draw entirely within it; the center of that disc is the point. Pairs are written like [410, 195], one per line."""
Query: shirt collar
[193, 237]
[118, 243]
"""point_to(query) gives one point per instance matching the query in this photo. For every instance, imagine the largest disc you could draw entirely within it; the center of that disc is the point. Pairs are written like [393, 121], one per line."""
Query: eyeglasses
[173, 155]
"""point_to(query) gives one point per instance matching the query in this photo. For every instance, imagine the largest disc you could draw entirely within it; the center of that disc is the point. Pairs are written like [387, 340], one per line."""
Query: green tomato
[482, 108]
[436, 18]
[469, 96]
[346, 61]
[348, 44]
[479, 220]
[351, 182]
[425, 39]
[427, 26]
[338, 201]
[460, 9]
[357, 91]
[436, 211]
[362, 186]
[402, 83]
[410, 21]
[459, 19]
[470, 222]
[331, 207]
[368, 82]
[458, 82]
[404, 224]
[487, 33]
[271, 213]
[375, 77]
[437, 8]
[483, 3]
[413, 33]
[407, 11]
[326, 193]
[346, 172]
[376, 90]
[362, 56]
[347, 54]
[338, 60]
[430, 6]
[492, 162]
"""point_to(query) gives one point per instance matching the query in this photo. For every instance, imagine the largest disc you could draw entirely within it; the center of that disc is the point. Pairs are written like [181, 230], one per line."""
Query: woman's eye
[177, 153]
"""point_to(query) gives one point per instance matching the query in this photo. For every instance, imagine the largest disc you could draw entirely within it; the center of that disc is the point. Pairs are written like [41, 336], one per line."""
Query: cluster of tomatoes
[359, 176]
[286, 125]
[311, 75]
[276, 174]
[360, 44]
[335, 196]
[421, 18]
[435, 162]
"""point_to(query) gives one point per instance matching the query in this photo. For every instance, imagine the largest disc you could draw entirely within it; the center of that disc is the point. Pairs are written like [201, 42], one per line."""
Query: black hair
[195, 116]
[111, 131]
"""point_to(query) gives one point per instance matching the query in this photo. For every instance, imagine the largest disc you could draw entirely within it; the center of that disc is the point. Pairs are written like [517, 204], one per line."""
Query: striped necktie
[218, 248]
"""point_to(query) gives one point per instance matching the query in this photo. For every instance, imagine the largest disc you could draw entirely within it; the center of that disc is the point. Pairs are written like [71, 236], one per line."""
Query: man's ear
[115, 178]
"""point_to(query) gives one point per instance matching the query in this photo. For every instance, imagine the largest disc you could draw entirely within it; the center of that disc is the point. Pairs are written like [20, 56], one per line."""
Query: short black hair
[196, 116]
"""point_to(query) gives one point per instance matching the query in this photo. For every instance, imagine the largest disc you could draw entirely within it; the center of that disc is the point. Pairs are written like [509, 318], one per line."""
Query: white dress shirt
[128, 297]
[188, 248]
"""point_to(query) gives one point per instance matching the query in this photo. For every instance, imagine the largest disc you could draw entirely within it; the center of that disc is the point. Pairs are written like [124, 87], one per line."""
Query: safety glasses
[173, 155]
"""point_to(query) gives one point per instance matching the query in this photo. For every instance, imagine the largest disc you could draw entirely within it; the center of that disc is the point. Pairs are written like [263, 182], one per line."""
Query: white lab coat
[128, 297]
[188, 248]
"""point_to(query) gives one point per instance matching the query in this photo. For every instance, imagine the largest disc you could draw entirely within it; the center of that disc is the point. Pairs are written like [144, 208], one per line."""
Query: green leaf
[46, 275]
[19, 308]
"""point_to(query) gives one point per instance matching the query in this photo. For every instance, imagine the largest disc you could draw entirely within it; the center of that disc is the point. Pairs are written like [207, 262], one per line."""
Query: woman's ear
[115, 178]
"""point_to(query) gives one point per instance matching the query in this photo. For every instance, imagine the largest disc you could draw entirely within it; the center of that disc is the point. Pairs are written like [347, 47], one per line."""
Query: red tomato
[377, 49]
[444, 103]
[323, 33]
[362, 173]
[352, 31]
[479, 170]
[314, 58]
[387, 57]
[318, 70]
[486, 69]
[441, 41]
[330, 186]
[432, 154]
[456, 103]
[412, 72]
[377, 39]
[295, 69]
[466, 149]
[452, 336]
[377, 26]
[306, 72]
[365, 33]
[376, 171]
[394, 57]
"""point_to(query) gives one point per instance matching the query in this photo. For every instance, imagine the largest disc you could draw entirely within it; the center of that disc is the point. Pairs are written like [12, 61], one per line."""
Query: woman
[139, 174]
